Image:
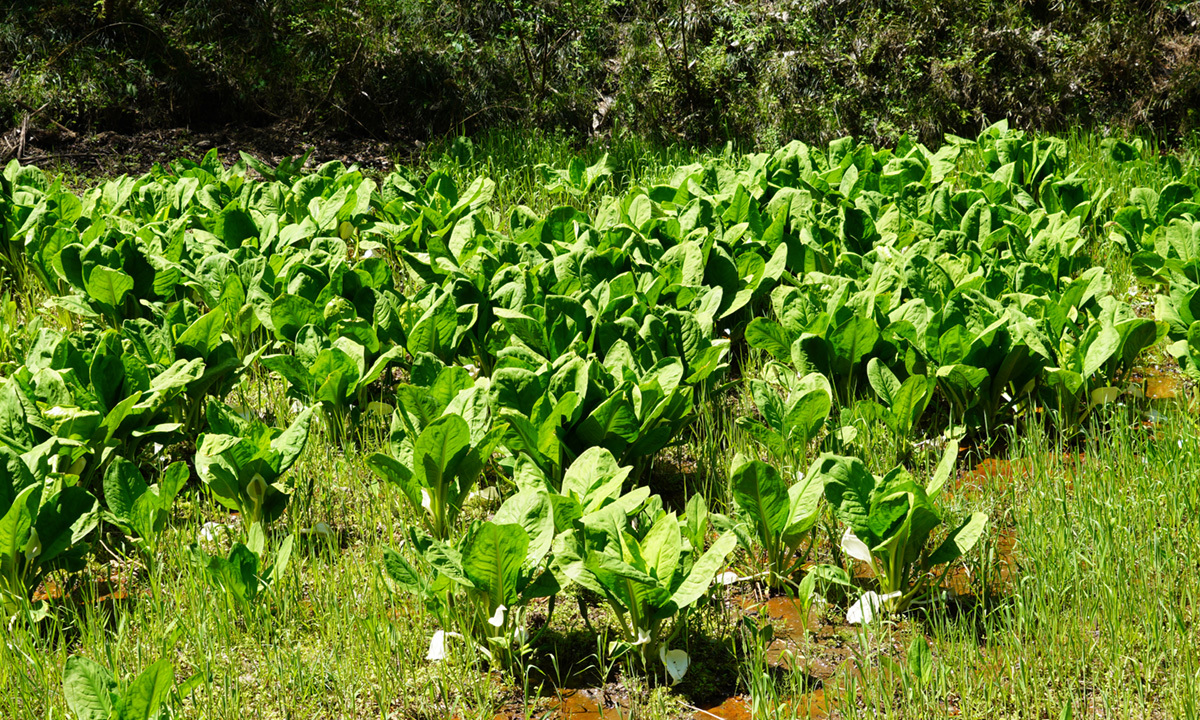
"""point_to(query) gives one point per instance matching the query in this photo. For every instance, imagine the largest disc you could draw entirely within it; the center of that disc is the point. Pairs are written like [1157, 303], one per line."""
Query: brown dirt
[108, 153]
[110, 584]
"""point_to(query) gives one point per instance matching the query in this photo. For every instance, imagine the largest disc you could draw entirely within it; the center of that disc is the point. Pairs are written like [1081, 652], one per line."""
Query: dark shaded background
[701, 72]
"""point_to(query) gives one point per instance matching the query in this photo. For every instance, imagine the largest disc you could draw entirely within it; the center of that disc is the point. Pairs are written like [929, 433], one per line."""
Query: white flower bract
[497, 619]
[856, 548]
[675, 661]
[437, 645]
[208, 531]
[864, 611]
[643, 637]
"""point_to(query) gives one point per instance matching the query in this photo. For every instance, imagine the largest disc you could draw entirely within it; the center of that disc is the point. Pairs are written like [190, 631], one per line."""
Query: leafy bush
[760, 73]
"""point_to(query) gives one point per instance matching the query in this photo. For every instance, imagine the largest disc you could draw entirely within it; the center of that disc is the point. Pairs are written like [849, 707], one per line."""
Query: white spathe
[208, 531]
[864, 611]
[498, 619]
[437, 645]
[675, 661]
[856, 548]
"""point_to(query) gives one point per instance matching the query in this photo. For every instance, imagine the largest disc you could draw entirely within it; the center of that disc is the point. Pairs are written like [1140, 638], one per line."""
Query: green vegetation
[450, 441]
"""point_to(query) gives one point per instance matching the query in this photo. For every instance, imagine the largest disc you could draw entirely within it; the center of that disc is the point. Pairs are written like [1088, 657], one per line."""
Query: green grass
[1097, 615]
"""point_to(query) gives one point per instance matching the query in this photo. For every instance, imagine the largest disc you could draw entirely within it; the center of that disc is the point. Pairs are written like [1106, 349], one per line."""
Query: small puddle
[813, 705]
[804, 643]
[996, 475]
[791, 628]
[48, 590]
[1163, 387]
[809, 705]
[788, 616]
[105, 591]
[1000, 567]
[1157, 382]
[578, 705]
[735, 708]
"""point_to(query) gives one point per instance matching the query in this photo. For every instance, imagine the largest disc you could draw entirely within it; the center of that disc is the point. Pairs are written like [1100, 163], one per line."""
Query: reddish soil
[583, 704]
[98, 589]
[994, 475]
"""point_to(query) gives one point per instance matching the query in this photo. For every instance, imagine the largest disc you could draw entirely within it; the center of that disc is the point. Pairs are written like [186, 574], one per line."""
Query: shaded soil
[107, 154]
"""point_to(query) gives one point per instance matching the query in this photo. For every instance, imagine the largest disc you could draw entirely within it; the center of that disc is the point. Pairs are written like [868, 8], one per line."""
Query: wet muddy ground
[810, 649]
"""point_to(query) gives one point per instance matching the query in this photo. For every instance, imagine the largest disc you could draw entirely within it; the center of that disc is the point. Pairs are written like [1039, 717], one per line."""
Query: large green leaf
[594, 475]
[804, 499]
[15, 526]
[436, 331]
[123, 485]
[883, 381]
[144, 697]
[808, 413]
[533, 511]
[660, 549]
[396, 473]
[761, 494]
[851, 341]
[107, 372]
[909, 403]
[401, 571]
[202, 336]
[88, 688]
[176, 377]
[700, 578]
[769, 404]
[613, 423]
[108, 287]
[960, 541]
[289, 313]
[65, 519]
[770, 336]
[624, 583]
[848, 488]
[1098, 348]
[437, 453]
[492, 561]
[291, 442]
